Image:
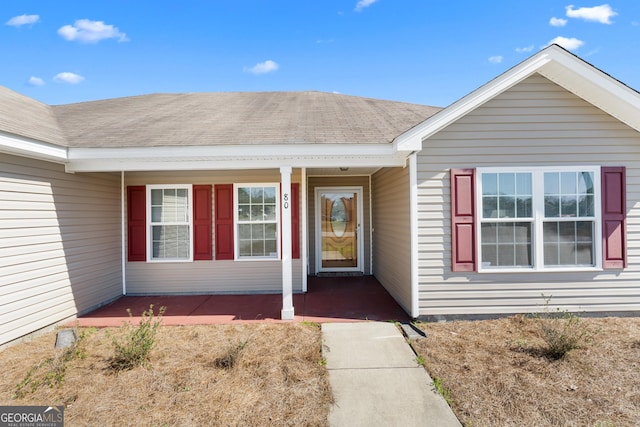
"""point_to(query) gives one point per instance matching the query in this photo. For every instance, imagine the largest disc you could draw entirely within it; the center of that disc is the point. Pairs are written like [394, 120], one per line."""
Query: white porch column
[287, 271]
[304, 252]
[123, 225]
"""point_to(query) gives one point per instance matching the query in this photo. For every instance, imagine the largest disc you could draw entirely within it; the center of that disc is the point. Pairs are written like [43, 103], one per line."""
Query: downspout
[122, 237]
[413, 220]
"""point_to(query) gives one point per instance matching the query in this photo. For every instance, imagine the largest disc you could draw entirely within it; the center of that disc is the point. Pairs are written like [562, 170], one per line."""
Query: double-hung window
[256, 215]
[170, 222]
[507, 219]
[539, 219]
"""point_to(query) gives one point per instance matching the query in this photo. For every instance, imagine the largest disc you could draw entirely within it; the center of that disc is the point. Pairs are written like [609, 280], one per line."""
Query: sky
[418, 51]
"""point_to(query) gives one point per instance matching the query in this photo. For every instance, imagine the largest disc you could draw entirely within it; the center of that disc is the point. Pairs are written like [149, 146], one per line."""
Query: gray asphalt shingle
[201, 119]
[24, 116]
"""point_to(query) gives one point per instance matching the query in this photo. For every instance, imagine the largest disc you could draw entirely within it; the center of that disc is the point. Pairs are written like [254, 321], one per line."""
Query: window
[256, 216]
[169, 219]
[507, 219]
[569, 218]
[539, 219]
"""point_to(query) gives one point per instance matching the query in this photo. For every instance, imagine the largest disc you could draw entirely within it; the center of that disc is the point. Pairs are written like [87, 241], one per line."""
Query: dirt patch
[498, 374]
[277, 378]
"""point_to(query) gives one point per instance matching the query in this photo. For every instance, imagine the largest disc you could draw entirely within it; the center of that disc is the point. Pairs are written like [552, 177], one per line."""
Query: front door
[338, 229]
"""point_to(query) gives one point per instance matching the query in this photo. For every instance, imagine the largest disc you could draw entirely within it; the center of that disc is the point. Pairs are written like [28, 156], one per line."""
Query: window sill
[540, 270]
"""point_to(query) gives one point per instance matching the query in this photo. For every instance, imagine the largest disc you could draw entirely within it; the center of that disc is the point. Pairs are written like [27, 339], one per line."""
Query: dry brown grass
[498, 373]
[277, 379]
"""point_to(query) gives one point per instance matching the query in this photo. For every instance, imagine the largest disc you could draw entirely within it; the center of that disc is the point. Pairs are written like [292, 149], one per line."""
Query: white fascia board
[25, 147]
[411, 140]
[220, 151]
[115, 165]
[594, 86]
[231, 157]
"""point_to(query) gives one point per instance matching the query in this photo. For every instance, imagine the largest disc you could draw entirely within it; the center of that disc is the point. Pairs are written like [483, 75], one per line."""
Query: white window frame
[150, 224]
[236, 222]
[537, 252]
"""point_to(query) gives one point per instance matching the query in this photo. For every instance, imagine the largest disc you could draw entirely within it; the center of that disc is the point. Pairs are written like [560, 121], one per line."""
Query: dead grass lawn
[497, 374]
[278, 379]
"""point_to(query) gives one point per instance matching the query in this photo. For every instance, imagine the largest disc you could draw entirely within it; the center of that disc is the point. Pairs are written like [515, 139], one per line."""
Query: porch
[328, 299]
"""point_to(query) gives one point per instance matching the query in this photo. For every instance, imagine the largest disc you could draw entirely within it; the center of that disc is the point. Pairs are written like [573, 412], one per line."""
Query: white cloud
[557, 22]
[591, 53]
[87, 31]
[67, 77]
[525, 49]
[601, 14]
[18, 21]
[495, 59]
[567, 43]
[265, 67]
[35, 81]
[362, 4]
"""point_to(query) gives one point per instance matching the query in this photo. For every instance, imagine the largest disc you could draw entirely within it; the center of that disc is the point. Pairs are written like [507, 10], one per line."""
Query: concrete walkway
[376, 380]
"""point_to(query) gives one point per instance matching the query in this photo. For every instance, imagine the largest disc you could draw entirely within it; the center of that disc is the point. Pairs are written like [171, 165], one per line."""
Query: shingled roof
[24, 116]
[200, 119]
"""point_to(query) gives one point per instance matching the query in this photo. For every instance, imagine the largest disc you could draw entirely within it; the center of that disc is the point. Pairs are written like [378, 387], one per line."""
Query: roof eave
[31, 148]
[554, 63]
[594, 86]
[231, 157]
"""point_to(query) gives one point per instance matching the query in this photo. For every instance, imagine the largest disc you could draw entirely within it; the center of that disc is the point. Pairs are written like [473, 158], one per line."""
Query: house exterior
[527, 187]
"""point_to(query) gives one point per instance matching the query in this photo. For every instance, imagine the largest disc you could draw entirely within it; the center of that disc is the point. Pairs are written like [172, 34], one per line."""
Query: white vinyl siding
[215, 276]
[535, 123]
[60, 249]
[392, 233]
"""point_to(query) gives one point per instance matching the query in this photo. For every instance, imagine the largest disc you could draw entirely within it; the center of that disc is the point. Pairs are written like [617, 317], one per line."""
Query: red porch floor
[335, 299]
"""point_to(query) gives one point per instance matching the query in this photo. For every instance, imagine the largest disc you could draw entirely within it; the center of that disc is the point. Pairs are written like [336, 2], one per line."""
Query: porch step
[340, 274]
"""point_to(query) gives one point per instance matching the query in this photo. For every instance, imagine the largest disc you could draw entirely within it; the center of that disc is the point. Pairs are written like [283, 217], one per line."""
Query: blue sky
[420, 51]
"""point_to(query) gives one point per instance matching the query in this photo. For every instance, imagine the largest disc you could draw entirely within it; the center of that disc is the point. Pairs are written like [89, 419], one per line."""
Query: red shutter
[137, 223]
[463, 251]
[295, 221]
[614, 227]
[224, 221]
[202, 223]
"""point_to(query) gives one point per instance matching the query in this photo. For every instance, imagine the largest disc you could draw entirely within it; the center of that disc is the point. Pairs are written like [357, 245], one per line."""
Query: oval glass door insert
[338, 217]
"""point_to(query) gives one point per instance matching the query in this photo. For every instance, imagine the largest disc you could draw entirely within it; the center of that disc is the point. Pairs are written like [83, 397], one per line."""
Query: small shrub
[563, 331]
[231, 356]
[133, 348]
[51, 371]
